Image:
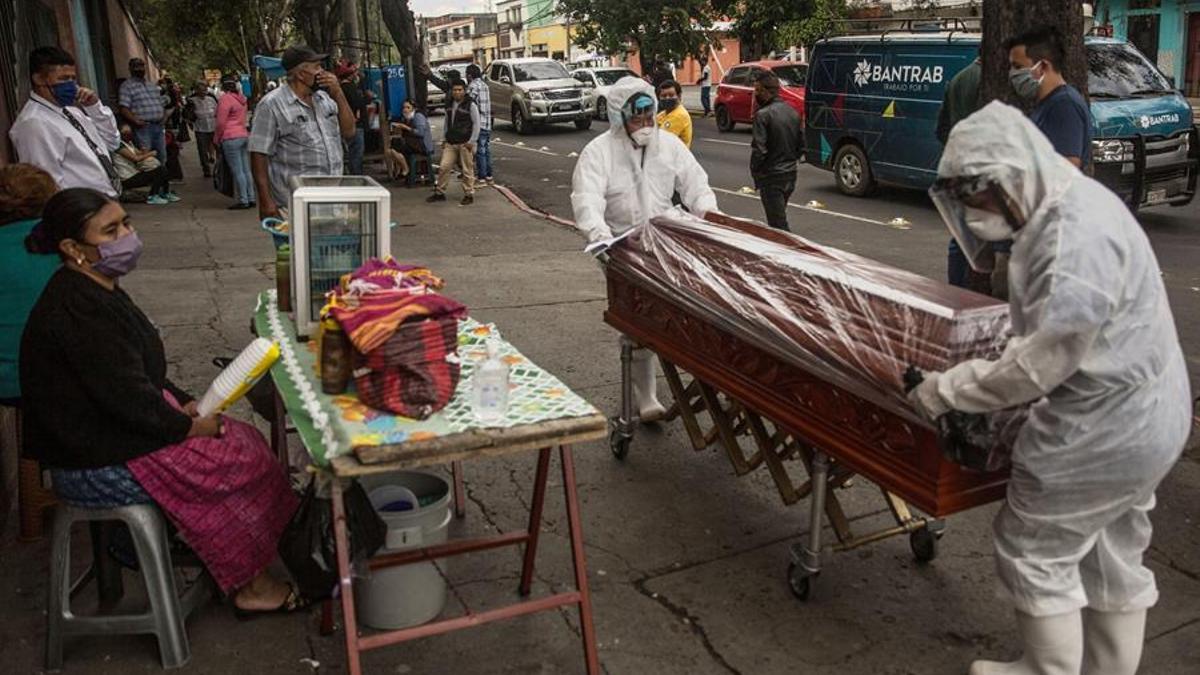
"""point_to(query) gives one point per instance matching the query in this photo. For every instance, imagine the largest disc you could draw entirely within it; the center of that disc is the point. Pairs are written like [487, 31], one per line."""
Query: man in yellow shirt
[673, 117]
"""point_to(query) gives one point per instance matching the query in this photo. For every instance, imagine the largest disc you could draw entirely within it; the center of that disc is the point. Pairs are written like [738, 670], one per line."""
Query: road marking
[718, 140]
[527, 148]
[805, 207]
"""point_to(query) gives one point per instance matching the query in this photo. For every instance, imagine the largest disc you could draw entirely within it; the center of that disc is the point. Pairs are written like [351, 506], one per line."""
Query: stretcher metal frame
[731, 420]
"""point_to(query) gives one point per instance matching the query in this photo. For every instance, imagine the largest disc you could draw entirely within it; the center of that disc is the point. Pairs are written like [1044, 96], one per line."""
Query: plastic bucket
[416, 508]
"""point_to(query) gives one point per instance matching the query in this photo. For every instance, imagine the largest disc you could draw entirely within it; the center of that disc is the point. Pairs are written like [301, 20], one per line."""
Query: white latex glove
[926, 400]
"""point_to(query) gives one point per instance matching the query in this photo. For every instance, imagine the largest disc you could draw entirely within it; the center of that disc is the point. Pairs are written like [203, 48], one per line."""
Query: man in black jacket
[775, 149]
[458, 149]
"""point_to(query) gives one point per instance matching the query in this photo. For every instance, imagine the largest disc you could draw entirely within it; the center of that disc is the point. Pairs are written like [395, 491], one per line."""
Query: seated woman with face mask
[100, 412]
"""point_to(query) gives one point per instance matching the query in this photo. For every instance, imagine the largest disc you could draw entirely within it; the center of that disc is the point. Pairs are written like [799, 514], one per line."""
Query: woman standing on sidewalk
[231, 137]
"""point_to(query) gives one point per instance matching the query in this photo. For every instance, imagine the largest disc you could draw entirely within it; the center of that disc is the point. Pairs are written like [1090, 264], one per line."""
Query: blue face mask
[65, 93]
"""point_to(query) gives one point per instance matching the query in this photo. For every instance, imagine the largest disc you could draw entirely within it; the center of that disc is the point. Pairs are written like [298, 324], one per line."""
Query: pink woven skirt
[228, 496]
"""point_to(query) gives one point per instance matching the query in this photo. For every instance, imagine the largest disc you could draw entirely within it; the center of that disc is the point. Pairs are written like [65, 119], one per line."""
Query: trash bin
[416, 508]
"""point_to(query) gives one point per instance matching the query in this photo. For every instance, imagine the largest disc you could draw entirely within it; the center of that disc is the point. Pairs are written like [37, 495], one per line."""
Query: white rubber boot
[1112, 642]
[645, 386]
[1053, 646]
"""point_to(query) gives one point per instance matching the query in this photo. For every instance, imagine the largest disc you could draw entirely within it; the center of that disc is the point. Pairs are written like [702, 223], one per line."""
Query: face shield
[962, 204]
[638, 111]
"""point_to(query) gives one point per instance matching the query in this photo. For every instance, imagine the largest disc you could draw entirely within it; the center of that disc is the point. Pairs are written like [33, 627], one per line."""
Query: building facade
[455, 38]
[101, 34]
[1166, 31]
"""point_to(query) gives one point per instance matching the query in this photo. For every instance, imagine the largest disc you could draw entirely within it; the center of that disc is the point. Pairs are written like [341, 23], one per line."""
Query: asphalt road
[896, 226]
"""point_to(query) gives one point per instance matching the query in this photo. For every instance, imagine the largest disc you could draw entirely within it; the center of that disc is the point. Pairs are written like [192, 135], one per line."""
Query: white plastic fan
[239, 376]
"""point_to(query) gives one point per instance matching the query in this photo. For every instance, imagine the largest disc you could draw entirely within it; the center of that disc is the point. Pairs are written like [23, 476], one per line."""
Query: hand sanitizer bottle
[491, 387]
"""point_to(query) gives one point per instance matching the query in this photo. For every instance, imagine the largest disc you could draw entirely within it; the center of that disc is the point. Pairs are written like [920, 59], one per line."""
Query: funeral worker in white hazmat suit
[1095, 355]
[625, 177]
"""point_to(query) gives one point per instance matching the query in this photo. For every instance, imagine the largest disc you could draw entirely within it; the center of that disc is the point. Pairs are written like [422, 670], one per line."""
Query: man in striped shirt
[477, 91]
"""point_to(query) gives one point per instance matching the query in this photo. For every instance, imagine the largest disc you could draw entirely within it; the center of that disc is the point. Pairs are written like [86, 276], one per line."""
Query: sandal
[292, 603]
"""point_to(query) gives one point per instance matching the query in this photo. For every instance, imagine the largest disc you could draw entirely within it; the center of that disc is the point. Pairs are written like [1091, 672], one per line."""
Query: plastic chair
[168, 611]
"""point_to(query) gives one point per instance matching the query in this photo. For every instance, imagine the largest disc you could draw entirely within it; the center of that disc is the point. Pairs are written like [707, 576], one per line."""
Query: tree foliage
[819, 22]
[663, 29]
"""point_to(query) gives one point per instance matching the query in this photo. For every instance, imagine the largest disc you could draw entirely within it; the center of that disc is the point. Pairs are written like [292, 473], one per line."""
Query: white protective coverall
[618, 185]
[1096, 353]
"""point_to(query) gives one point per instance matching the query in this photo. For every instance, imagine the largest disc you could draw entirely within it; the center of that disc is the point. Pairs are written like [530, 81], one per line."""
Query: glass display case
[337, 224]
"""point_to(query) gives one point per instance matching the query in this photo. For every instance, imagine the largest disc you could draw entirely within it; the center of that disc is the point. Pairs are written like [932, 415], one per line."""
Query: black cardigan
[92, 373]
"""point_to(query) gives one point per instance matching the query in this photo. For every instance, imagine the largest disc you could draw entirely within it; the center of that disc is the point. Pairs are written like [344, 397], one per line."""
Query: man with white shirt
[64, 129]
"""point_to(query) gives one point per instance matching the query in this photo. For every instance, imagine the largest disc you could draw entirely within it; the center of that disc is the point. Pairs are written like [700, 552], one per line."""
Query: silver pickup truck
[531, 92]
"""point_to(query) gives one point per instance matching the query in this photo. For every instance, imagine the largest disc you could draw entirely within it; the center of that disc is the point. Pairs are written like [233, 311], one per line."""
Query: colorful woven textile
[382, 294]
[228, 496]
[388, 273]
[108, 487]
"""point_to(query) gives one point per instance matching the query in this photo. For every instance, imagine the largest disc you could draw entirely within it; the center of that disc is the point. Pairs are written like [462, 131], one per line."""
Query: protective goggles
[639, 105]
[950, 195]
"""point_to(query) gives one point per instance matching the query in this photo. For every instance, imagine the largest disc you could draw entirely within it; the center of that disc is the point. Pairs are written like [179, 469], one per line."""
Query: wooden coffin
[813, 338]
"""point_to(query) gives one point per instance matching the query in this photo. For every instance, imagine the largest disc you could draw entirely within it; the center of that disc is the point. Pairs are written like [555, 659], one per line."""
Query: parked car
[599, 80]
[735, 102]
[531, 92]
[873, 103]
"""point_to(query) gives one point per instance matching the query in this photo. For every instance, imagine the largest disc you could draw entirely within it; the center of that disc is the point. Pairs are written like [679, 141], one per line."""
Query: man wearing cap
[298, 129]
[140, 104]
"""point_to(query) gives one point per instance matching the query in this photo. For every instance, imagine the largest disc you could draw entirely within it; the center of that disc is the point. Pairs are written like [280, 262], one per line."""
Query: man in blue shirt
[1035, 58]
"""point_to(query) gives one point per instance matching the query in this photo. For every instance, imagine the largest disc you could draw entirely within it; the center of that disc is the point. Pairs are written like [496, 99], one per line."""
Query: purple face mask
[119, 256]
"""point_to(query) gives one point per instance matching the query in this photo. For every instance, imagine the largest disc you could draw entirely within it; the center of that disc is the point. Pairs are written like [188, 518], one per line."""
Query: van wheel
[602, 108]
[520, 124]
[724, 121]
[582, 124]
[852, 171]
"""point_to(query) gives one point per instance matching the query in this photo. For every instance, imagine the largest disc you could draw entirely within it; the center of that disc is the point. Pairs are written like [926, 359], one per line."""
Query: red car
[735, 102]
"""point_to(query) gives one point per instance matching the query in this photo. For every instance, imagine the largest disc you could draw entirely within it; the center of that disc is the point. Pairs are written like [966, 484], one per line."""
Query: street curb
[520, 204]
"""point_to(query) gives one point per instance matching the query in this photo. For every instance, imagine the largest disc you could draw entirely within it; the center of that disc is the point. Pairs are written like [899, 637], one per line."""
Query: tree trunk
[398, 18]
[351, 31]
[1003, 19]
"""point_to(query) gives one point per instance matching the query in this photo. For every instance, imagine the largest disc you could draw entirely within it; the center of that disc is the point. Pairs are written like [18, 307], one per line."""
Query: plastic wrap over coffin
[814, 338]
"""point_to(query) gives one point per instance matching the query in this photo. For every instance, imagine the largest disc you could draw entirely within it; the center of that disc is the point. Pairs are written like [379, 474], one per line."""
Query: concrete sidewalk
[688, 563]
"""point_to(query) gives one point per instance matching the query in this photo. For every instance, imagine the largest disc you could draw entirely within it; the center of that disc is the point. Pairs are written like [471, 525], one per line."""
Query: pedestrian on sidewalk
[140, 168]
[477, 91]
[232, 137]
[24, 191]
[705, 83]
[141, 104]
[201, 111]
[347, 74]
[458, 148]
[298, 129]
[775, 150]
[64, 129]
[412, 139]
[672, 117]
[624, 177]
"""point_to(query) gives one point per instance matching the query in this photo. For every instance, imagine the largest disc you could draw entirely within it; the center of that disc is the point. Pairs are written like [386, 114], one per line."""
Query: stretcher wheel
[619, 443]
[924, 544]
[800, 582]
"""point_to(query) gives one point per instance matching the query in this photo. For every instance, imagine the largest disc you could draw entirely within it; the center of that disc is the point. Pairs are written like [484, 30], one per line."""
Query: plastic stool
[416, 169]
[168, 611]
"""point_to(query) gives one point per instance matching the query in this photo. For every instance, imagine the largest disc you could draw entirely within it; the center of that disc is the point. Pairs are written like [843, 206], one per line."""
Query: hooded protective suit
[1096, 353]
[618, 186]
